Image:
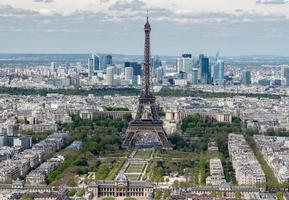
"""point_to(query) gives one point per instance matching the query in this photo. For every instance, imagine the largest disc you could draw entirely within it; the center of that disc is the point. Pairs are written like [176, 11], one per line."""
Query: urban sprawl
[198, 128]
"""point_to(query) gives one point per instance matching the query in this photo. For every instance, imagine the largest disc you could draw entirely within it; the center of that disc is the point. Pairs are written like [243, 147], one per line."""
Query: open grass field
[174, 155]
[143, 154]
[135, 168]
[133, 177]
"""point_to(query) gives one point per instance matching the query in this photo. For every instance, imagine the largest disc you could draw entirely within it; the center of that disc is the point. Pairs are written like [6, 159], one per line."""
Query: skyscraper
[108, 60]
[160, 74]
[110, 76]
[218, 71]
[185, 64]
[186, 55]
[52, 67]
[205, 71]
[156, 62]
[93, 64]
[182, 75]
[96, 62]
[194, 77]
[246, 78]
[90, 67]
[128, 73]
[137, 71]
[285, 74]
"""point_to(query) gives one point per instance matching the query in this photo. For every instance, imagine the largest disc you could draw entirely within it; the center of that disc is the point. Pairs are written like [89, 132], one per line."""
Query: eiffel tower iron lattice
[146, 129]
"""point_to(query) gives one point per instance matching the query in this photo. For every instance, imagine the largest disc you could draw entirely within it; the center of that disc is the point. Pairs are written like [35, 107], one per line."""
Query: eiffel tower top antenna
[146, 67]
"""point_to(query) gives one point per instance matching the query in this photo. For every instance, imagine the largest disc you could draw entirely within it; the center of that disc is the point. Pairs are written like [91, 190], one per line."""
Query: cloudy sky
[233, 27]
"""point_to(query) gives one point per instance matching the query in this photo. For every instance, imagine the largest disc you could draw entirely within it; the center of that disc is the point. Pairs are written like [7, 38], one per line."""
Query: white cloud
[122, 5]
[46, 12]
[268, 2]
[118, 28]
[43, 1]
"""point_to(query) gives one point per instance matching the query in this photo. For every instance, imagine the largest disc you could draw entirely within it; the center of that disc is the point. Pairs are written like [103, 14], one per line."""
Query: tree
[238, 195]
[108, 198]
[27, 197]
[176, 184]
[99, 137]
[161, 111]
[216, 194]
[81, 162]
[102, 172]
[71, 192]
[8, 181]
[158, 195]
[184, 184]
[167, 180]
[279, 196]
[71, 182]
[190, 121]
[80, 193]
[109, 108]
[167, 194]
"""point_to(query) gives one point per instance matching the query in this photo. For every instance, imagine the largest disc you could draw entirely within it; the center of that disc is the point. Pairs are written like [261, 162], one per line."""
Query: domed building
[121, 188]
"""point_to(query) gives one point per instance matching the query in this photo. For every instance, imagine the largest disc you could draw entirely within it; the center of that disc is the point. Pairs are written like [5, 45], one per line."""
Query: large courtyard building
[121, 188]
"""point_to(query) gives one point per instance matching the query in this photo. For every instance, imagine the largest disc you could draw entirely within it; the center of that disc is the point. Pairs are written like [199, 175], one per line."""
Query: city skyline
[113, 26]
[115, 127]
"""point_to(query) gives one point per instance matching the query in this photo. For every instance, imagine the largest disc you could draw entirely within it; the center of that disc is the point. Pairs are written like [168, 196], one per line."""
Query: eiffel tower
[147, 128]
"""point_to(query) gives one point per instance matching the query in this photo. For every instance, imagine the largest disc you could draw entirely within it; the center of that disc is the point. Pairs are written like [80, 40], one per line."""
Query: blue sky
[233, 27]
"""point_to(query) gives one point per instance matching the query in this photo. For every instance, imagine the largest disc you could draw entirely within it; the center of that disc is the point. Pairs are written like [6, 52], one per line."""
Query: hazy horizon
[140, 55]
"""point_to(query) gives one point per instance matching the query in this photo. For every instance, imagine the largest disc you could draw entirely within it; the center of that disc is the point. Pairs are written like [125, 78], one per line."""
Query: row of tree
[99, 137]
[195, 134]
[165, 92]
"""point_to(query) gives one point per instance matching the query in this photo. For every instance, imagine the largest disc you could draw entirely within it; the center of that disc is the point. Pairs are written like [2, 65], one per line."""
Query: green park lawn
[133, 177]
[135, 168]
[143, 154]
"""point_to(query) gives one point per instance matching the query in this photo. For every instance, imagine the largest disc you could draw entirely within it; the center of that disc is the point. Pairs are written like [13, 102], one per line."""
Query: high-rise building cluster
[188, 70]
[200, 70]
[102, 67]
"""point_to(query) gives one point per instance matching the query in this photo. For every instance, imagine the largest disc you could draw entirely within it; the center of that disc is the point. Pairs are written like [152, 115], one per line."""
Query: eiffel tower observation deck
[146, 130]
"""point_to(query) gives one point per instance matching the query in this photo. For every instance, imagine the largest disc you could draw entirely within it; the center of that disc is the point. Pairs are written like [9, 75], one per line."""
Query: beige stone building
[121, 188]
[176, 115]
